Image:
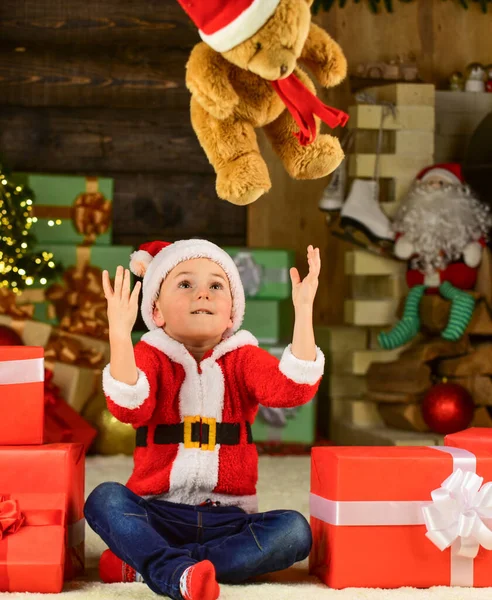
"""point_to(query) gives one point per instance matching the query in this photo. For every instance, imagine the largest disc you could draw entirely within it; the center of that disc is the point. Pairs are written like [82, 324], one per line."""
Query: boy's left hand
[303, 292]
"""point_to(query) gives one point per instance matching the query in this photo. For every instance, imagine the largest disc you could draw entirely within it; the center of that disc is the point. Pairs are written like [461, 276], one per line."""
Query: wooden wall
[97, 87]
[444, 37]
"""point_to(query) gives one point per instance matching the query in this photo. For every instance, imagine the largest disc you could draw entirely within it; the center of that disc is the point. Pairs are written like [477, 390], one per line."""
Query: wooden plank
[407, 94]
[103, 23]
[370, 312]
[346, 385]
[360, 262]
[100, 140]
[391, 165]
[362, 359]
[429, 349]
[394, 142]
[355, 412]
[120, 77]
[480, 388]
[339, 339]
[415, 118]
[394, 397]
[477, 362]
[174, 206]
[403, 416]
[399, 377]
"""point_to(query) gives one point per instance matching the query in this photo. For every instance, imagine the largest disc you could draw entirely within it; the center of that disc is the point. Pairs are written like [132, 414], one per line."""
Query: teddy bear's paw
[317, 160]
[243, 180]
[334, 72]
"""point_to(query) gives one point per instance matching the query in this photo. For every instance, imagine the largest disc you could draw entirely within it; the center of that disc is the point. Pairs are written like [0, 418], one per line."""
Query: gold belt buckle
[212, 432]
[188, 422]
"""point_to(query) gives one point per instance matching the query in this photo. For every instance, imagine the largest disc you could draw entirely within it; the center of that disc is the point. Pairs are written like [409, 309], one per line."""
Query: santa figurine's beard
[440, 223]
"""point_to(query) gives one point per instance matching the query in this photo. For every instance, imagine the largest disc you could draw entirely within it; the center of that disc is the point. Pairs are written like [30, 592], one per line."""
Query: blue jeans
[161, 539]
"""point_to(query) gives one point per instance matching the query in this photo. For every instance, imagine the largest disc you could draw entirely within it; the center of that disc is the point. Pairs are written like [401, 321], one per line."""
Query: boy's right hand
[122, 305]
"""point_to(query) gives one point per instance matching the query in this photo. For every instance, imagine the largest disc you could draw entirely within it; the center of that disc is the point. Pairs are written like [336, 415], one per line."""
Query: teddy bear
[245, 74]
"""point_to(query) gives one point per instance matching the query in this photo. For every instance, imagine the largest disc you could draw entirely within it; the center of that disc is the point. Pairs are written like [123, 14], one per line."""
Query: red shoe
[113, 570]
[198, 582]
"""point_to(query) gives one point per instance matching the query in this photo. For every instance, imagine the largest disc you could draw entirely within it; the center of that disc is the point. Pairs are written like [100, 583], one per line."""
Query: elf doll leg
[125, 522]
[409, 326]
[462, 307]
[242, 545]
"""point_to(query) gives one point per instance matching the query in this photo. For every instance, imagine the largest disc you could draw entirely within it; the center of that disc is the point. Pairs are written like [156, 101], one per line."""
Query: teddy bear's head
[272, 52]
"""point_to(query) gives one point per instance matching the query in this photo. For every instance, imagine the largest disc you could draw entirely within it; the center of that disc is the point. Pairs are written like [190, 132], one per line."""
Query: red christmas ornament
[447, 408]
[9, 337]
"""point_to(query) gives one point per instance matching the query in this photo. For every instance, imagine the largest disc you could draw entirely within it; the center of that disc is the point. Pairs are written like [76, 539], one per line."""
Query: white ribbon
[459, 511]
[458, 516]
[30, 370]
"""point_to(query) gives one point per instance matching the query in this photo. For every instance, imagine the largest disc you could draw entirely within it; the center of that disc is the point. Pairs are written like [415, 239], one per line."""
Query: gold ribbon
[69, 350]
[80, 304]
[9, 306]
[90, 212]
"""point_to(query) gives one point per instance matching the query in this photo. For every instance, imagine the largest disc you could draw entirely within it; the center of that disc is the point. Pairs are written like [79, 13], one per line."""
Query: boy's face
[195, 301]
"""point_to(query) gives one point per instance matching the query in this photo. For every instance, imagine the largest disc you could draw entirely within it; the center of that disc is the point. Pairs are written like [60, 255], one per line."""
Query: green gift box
[264, 272]
[270, 321]
[291, 425]
[54, 196]
[103, 257]
[136, 336]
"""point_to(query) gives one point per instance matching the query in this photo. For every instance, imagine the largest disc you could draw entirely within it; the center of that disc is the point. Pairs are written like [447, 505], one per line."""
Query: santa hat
[154, 260]
[450, 172]
[224, 24]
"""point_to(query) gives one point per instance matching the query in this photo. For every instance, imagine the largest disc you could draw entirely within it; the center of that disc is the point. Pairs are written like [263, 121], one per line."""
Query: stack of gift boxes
[73, 223]
[269, 317]
[41, 485]
[389, 517]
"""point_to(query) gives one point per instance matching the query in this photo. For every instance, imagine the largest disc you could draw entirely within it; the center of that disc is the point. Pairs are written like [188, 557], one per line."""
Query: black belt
[225, 433]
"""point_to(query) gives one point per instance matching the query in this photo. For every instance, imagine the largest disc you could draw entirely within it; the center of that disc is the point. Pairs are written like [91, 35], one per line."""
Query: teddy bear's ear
[309, 2]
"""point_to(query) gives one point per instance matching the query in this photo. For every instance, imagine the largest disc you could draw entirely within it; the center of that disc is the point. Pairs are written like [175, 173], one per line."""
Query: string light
[20, 265]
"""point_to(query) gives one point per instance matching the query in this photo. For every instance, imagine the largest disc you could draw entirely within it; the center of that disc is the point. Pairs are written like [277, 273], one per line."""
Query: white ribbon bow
[459, 511]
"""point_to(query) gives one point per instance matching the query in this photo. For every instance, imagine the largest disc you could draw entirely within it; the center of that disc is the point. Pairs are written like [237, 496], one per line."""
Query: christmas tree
[20, 265]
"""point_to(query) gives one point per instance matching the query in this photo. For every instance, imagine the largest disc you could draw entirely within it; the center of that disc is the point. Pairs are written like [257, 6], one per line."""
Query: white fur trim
[137, 259]
[247, 503]
[243, 27]
[123, 394]
[403, 248]
[444, 174]
[170, 256]
[472, 254]
[302, 371]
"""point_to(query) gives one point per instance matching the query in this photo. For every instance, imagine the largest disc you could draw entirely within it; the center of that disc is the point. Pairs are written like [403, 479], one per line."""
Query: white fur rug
[283, 483]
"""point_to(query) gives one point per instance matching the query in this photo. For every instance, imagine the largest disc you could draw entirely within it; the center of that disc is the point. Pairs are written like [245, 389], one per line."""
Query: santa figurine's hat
[224, 24]
[154, 260]
[449, 172]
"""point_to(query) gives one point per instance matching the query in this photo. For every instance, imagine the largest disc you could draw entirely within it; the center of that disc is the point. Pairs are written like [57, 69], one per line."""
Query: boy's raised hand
[122, 305]
[303, 292]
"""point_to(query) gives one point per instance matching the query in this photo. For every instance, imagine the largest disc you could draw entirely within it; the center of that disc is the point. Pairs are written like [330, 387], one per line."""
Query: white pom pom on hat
[154, 260]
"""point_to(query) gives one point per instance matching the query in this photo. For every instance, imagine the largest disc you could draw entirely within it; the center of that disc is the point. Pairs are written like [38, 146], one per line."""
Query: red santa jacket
[226, 387]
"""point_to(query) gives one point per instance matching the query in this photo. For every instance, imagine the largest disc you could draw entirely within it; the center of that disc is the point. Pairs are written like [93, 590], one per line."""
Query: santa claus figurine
[440, 229]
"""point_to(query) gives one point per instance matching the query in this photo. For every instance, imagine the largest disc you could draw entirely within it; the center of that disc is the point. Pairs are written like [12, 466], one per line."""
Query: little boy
[187, 518]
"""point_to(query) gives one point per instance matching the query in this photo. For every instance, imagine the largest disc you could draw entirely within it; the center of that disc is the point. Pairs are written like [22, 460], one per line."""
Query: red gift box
[474, 439]
[62, 423]
[21, 394]
[50, 469]
[375, 523]
[32, 544]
